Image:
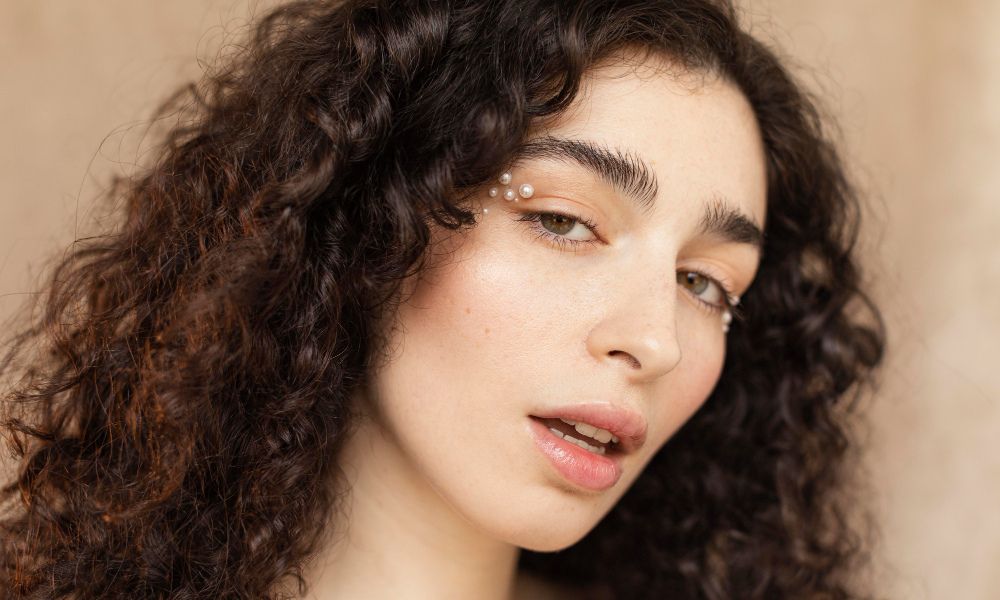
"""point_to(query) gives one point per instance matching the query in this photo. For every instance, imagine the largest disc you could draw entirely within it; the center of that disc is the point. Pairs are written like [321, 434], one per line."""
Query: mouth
[598, 441]
[615, 428]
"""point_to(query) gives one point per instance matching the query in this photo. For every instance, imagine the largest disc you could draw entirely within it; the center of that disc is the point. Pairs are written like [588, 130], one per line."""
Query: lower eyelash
[563, 243]
[713, 309]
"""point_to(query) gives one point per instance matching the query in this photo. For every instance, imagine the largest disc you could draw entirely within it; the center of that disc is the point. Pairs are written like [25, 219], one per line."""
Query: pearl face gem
[727, 318]
[525, 190]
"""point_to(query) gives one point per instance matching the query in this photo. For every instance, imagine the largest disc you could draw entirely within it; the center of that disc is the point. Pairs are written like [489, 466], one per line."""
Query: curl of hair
[177, 433]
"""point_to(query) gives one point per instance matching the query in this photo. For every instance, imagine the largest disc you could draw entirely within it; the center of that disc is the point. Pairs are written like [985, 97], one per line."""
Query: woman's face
[506, 324]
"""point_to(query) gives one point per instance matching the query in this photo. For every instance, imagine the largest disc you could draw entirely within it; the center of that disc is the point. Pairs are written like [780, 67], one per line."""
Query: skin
[446, 483]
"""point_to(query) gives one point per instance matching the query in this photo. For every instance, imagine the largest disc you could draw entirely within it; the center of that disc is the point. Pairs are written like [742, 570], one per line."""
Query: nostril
[633, 360]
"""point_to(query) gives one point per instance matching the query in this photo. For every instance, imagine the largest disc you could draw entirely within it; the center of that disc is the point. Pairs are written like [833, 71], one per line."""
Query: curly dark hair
[177, 407]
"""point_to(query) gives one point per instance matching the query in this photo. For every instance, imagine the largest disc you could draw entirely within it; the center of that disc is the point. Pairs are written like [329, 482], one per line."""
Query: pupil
[696, 280]
[561, 221]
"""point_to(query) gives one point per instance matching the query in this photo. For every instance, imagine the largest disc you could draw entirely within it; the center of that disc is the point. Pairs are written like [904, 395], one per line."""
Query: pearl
[505, 178]
[493, 192]
[526, 190]
[509, 194]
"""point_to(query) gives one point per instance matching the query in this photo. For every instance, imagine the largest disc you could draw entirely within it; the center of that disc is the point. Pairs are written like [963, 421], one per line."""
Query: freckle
[487, 331]
[467, 310]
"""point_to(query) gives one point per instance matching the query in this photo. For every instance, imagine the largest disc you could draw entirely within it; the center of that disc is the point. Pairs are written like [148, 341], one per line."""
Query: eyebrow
[632, 177]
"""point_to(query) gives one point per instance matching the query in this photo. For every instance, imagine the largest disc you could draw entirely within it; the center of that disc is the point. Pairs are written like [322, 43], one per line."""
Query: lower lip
[582, 467]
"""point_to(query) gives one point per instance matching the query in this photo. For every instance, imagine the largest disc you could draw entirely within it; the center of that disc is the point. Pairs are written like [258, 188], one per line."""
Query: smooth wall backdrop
[914, 85]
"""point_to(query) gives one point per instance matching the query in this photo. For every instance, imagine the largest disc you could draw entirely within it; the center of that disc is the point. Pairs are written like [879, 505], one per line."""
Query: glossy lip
[629, 426]
[577, 465]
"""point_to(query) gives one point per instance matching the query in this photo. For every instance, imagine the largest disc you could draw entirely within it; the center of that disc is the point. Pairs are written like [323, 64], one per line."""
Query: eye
[554, 228]
[707, 290]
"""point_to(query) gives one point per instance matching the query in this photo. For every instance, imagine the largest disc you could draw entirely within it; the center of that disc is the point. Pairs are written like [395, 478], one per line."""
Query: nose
[640, 331]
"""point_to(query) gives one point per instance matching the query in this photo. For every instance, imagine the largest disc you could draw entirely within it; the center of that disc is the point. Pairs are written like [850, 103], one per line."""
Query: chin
[545, 520]
[559, 535]
[550, 545]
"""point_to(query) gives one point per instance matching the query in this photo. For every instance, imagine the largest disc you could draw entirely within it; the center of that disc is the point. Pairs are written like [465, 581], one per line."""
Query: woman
[457, 299]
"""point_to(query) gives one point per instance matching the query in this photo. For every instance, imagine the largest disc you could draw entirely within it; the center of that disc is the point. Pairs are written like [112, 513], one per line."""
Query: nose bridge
[640, 325]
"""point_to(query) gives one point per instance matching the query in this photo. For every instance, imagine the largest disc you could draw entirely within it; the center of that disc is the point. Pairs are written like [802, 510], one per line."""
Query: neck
[397, 537]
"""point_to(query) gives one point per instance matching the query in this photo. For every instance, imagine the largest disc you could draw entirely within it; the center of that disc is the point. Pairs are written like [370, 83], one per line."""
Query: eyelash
[563, 243]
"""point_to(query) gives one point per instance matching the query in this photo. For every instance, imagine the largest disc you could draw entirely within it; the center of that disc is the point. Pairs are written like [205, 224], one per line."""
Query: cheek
[457, 342]
[685, 391]
[464, 317]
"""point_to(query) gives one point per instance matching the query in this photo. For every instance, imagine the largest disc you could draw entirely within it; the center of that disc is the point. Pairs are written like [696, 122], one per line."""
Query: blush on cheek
[703, 351]
[708, 378]
[695, 378]
[679, 405]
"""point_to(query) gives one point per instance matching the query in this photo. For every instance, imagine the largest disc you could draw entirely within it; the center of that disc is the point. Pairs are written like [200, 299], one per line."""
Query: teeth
[580, 443]
[601, 435]
[584, 445]
[585, 429]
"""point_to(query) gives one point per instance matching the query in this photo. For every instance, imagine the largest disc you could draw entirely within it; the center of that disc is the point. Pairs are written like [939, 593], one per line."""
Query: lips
[628, 425]
[588, 471]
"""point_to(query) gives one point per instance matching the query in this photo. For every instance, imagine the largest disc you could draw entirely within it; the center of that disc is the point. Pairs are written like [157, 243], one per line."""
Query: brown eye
[556, 223]
[554, 227]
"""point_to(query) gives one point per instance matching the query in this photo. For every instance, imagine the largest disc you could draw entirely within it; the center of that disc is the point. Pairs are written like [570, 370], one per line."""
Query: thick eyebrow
[625, 172]
[631, 176]
[722, 220]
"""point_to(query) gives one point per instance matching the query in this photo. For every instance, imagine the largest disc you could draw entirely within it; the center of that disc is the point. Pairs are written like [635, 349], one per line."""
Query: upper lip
[628, 425]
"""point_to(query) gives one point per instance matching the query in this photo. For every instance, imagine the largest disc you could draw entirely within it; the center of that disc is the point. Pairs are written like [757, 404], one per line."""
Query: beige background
[915, 85]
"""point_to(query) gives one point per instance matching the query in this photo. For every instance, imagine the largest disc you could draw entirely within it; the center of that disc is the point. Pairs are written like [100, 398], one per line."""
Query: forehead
[695, 131]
